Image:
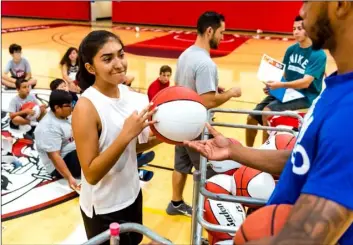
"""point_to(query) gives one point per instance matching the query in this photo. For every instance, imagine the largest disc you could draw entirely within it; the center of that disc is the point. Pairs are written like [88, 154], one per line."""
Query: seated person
[18, 115]
[161, 82]
[55, 142]
[69, 68]
[18, 67]
[304, 72]
[61, 84]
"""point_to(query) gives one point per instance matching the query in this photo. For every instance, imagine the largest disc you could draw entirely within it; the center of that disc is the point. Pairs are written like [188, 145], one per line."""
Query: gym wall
[276, 17]
[80, 10]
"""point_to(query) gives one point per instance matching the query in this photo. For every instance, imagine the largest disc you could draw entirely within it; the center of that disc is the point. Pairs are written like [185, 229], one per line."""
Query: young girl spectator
[69, 68]
[110, 126]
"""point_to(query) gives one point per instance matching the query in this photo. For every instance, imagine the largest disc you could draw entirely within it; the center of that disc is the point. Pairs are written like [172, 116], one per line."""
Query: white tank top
[120, 187]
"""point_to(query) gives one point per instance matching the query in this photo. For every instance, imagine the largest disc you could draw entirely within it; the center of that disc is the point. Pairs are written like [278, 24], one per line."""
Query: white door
[101, 9]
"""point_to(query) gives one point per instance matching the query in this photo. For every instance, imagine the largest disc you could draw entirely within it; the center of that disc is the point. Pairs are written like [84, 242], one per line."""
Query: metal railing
[199, 190]
[128, 227]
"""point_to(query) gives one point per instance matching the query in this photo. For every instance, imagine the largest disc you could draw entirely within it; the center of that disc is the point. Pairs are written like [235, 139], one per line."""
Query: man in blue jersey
[304, 72]
[317, 176]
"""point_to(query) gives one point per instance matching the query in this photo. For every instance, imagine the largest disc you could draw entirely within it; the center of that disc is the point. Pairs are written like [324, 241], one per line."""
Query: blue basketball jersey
[321, 163]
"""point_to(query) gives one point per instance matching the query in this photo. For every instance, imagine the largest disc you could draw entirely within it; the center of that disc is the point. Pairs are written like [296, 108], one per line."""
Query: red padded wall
[80, 10]
[265, 15]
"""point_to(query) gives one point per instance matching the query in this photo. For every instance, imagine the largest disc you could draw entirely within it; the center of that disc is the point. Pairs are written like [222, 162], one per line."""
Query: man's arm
[213, 99]
[315, 220]
[299, 83]
[206, 79]
[269, 161]
[315, 69]
[324, 210]
[312, 221]
[220, 148]
[59, 164]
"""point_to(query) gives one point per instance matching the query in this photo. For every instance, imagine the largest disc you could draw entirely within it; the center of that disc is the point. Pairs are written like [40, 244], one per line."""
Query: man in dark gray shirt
[197, 71]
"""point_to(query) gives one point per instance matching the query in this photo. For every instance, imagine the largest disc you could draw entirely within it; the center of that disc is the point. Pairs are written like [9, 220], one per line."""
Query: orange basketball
[28, 105]
[33, 106]
[224, 214]
[219, 184]
[254, 183]
[181, 115]
[264, 222]
[285, 141]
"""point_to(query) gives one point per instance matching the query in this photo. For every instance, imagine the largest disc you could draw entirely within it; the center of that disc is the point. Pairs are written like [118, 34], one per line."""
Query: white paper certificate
[270, 69]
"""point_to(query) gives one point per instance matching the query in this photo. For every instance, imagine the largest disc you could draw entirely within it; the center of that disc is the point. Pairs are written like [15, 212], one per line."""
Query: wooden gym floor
[44, 49]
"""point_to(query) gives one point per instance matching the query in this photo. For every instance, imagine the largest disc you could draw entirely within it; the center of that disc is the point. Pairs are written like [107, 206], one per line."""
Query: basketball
[213, 241]
[32, 106]
[253, 183]
[219, 184]
[279, 141]
[264, 222]
[285, 141]
[227, 167]
[225, 214]
[181, 115]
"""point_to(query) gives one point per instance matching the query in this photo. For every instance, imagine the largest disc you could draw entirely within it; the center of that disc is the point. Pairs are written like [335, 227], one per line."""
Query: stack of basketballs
[235, 179]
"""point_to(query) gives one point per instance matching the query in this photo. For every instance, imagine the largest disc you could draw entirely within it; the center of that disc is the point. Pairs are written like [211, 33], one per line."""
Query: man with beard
[317, 175]
[304, 72]
[197, 71]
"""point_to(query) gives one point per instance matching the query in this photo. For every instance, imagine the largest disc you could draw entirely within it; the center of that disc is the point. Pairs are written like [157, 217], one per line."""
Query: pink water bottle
[114, 233]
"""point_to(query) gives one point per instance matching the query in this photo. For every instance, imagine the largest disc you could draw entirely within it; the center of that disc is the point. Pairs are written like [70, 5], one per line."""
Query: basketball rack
[199, 176]
[128, 227]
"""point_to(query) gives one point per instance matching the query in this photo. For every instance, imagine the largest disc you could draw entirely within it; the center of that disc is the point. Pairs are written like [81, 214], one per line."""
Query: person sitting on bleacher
[55, 142]
[18, 67]
[304, 72]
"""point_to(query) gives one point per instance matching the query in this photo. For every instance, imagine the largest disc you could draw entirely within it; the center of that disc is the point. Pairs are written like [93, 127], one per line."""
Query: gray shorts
[276, 105]
[186, 158]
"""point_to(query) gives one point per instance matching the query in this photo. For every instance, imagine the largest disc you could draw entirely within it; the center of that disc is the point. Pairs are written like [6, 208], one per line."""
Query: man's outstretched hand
[217, 149]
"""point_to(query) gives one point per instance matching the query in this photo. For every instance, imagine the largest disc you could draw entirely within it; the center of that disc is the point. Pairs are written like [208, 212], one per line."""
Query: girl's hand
[136, 123]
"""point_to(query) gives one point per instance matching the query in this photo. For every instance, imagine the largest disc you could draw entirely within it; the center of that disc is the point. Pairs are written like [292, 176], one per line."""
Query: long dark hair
[89, 47]
[65, 60]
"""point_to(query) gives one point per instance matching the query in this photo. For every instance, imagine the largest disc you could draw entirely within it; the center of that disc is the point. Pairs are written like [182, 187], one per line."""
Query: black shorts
[275, 105]
[100, 223]
[72, 163]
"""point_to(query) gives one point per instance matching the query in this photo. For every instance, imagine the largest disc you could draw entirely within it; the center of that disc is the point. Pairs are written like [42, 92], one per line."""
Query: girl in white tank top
[110, 126]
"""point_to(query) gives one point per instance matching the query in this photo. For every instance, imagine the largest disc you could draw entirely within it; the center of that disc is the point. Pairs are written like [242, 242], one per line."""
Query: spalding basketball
[219, 184]
[264, 222]
[227, 167]
[254, 183]
[32, 106]
[212, 241]
[279, 141]
[224, 214]
[181, 115]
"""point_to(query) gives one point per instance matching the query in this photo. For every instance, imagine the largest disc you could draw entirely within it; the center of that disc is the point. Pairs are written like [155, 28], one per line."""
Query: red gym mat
[172, 45]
